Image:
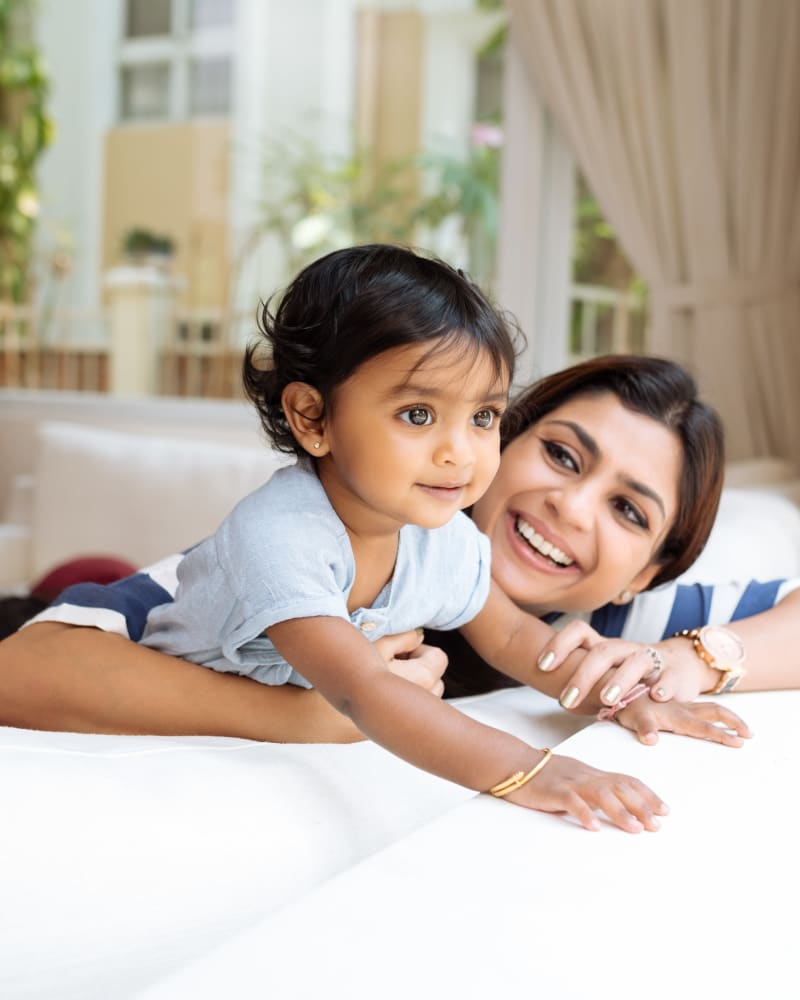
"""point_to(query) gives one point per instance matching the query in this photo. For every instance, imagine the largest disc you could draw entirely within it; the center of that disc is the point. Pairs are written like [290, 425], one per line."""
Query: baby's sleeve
[292, 567]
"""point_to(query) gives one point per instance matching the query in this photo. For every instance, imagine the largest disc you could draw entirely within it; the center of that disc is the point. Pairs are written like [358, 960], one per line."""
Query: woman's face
[580, 505]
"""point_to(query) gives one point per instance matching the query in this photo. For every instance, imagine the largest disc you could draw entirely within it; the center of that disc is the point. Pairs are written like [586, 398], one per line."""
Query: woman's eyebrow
[582, 435]
[645, 491]
[591, 446]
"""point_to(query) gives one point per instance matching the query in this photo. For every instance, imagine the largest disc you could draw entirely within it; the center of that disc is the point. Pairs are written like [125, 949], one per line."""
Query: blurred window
[147, 18]
[175, 59]
[145, 91]
[209, 86]
[211, 13]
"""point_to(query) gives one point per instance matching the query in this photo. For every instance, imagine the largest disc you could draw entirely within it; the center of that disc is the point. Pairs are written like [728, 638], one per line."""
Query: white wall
[78, 40]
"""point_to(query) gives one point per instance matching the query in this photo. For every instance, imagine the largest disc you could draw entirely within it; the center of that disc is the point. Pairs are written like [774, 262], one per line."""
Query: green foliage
[467, 189]
[25, 130]
[313, 203]
[139, 242]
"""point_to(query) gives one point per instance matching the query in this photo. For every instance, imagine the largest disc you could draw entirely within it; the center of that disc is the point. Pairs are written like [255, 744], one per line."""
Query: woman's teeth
[541, 545]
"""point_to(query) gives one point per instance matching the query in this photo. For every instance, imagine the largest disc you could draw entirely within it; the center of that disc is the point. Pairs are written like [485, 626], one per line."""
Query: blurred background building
[167, 164]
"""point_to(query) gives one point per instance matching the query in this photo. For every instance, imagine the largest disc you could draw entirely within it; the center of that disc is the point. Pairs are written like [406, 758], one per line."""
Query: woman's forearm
[67, 678]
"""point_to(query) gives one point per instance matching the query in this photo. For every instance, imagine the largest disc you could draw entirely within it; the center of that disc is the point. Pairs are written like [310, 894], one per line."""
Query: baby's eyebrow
[437, 392]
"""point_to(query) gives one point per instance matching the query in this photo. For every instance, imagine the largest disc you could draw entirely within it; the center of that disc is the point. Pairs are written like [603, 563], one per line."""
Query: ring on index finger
[658, 663]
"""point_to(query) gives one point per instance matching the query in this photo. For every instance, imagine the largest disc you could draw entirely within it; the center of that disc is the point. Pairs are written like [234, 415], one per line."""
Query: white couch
[125, 859]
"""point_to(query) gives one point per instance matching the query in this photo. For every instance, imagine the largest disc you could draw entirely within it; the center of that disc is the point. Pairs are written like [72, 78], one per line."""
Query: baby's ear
[303, 408]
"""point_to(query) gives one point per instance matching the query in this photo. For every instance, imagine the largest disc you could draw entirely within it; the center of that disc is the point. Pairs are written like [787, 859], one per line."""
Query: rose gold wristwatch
[721, 649]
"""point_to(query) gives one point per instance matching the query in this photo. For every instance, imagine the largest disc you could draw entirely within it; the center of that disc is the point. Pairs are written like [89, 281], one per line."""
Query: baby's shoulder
[289, 511]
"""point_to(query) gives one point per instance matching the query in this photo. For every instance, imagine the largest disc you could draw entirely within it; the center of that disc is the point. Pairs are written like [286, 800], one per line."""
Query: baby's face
[412, 437]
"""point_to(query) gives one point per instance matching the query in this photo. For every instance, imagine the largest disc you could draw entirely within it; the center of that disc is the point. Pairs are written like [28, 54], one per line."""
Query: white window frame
[178, 49]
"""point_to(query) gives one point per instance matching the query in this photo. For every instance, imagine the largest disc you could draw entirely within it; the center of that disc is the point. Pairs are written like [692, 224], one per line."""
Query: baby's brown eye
[419, 416]
[484, 419]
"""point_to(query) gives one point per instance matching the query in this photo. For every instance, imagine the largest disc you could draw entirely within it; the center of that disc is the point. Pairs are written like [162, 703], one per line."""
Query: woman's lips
[528, 539]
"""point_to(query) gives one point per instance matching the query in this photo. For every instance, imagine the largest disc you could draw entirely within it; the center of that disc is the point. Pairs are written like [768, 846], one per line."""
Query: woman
[608, 486]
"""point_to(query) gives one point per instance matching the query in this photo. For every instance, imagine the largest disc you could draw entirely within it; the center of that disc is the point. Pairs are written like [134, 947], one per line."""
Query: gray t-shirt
[283, 553]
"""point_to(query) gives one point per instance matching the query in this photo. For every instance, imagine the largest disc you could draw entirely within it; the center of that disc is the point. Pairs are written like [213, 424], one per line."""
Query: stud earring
[625, 597]
[316, 445]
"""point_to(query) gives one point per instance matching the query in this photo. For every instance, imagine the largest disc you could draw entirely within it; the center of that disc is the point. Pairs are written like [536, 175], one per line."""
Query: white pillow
[135, 496]
[756, 537]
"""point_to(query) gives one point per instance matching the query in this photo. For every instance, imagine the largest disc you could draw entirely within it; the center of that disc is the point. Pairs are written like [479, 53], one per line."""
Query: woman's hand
[705, 720]
[569, 786]
[407, 656]
[671, 668]
[614, 665]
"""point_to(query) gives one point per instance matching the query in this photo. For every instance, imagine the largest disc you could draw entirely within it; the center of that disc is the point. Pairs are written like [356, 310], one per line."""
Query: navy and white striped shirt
[123, 607]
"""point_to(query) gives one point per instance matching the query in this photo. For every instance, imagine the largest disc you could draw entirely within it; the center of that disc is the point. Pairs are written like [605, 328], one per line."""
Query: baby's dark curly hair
[354, 304]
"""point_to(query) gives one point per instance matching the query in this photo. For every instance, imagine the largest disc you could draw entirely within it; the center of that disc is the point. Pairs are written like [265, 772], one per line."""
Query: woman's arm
[772, 643]
[770, 639]
[75, 679]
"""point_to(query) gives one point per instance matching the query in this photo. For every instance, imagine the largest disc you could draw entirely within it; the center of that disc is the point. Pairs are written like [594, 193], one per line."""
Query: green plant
[466, 188]
[138, 242]
[313, 202]
[25, 130]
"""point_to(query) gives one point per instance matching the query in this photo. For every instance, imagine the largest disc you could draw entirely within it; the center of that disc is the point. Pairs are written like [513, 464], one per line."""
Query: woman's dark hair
[667, 393]
[352, 305]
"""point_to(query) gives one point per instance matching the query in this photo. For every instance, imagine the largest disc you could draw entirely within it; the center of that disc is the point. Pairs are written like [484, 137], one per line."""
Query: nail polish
[569, 697]
[611, 694]
[545, 662]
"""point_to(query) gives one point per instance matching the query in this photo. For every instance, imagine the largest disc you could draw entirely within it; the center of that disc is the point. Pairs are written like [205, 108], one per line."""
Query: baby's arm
[343, 666]
[512, 641]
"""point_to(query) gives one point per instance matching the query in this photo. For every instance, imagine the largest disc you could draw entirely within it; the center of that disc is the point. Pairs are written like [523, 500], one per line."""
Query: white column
[141, 308]
[535, 245]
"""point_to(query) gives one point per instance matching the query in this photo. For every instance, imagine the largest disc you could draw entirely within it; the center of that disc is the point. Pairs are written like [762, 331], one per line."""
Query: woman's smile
[539, 544]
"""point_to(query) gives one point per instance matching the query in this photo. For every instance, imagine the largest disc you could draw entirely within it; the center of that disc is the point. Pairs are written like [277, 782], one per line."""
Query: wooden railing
[203, 351]
[605, 321]
[63, 350]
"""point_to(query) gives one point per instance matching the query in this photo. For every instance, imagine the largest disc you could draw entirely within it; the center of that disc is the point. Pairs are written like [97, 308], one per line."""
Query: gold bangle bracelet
[519, 778]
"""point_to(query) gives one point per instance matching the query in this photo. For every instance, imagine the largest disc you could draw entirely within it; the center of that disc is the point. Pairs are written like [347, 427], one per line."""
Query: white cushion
[135, 496]
[124, 857]
[756, 537]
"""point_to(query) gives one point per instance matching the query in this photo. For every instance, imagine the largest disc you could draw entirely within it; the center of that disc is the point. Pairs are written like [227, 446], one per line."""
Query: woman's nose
[574, 504]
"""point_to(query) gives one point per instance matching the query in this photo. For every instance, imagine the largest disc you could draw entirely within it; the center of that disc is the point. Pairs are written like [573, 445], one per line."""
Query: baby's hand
[620, 664]
[705, 720]
[407, 656]
[566, 785]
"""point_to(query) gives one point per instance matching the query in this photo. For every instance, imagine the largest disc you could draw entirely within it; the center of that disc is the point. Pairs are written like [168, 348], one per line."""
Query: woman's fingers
[576, 634]
[619, 665]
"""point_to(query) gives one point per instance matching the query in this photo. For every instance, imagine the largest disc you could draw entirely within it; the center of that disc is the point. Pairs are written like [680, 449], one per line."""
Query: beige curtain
[684, 116]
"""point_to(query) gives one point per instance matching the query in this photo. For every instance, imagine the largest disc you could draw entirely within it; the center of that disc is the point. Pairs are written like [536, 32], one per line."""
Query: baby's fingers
[630, 804]
[707, 720]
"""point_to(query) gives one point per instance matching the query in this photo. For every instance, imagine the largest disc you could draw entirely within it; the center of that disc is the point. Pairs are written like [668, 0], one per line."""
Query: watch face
[724, 646]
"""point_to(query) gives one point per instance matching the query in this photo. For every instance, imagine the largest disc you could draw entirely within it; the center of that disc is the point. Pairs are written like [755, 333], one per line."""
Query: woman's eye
[419, 416]
[484, 418]
[631, 512]
[560, 455]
